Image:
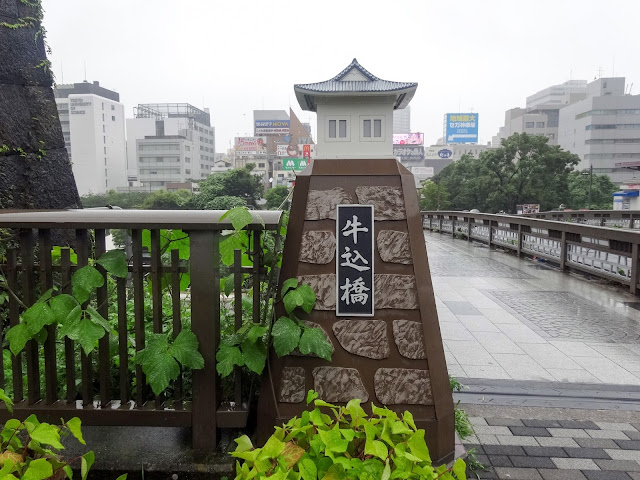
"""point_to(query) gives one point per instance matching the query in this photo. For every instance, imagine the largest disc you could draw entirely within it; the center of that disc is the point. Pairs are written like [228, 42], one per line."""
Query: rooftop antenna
[85, 70]
[599, 72]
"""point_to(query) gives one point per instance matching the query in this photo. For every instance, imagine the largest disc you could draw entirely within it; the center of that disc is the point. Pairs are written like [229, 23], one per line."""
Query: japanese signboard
[409, 152]
[528, 208]
[295, 151]
[297, 164]
[462, 128]
[271, 127]
[408, 139]
[251, 145]
[354, 265]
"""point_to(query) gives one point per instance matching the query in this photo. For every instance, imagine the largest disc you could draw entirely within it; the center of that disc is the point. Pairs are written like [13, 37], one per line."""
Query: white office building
[402, 120]
[169, 143]
[92, 120]
[604, 130]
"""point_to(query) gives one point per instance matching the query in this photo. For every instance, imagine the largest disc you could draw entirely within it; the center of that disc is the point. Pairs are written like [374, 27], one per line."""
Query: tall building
[92, 120]
[402, 120]
[604, 130]
[169, 143]
[542, 113]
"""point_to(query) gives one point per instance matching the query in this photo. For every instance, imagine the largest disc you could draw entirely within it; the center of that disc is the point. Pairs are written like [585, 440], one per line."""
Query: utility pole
[590, 184]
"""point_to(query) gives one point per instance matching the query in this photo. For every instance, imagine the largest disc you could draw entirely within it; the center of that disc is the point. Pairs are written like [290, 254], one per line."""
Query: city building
[169, 143]
[355, 112]
[604, 130]
[93, 125]
[542, 112]
[402, 120]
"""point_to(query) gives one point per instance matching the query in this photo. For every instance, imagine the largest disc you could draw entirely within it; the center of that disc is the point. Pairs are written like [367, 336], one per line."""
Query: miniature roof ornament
[354, 80]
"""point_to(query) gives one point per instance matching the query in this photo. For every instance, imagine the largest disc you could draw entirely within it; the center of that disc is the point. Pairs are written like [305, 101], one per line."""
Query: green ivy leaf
[231, 243]
[38, 470]
[333, 440]
[86, 333]
[308, 470]
[226, 358]
[288, 284]
[313, 340]
[122, 477]
[311, 396]
[86, 463]
[114, 262]
[240, 217]
[254, 355]
[256, 331]
[74, 425]
[335, 472]
[244, 444]
[292, 299]
[37, 316]
[272, 448]
[47, 434]
[72, 321]
[84, 281]
[185, 350]
[226, 284]
[286, 336]
[160, 370]
[18, 337]
[460, 469]
[386, 473]
[8, 403]
[308, 297]
[418, 446]
[98, 319]
[67, 469]
[62, 305]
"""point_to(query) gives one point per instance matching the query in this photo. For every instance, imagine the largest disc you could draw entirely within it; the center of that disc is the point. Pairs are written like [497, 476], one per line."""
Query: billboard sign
[295, 151]
[408, 138]
[271, 127]
[422, 171]
[296, 164]
[408, 152]
[445, 153]
[251, 145]
[528, 208]
[462, 128]
[354, 265]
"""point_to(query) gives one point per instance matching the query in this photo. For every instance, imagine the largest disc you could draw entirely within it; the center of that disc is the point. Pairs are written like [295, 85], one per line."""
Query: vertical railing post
[453, 227]
[205, 317]
[490, 234]
[563, 252]
[519, 240]
[440, 224]
[28, 286]
[634, 268]
[469, 229]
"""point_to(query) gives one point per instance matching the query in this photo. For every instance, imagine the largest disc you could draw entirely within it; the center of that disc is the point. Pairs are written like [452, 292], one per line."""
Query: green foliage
[126, 200]
[31, 449]
[225, 202]
[237, 182]
[162, 357]
[462, 424]
[165, 200]
[276, 197]
[524, 169]
[433, 196]
[601, 189]
[347, 444]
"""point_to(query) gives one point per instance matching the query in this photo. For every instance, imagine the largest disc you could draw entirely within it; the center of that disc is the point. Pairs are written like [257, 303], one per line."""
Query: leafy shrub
[348, 446]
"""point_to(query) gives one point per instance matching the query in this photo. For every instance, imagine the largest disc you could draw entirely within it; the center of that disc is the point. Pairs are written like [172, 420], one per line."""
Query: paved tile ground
[554, 449]
[516, 319]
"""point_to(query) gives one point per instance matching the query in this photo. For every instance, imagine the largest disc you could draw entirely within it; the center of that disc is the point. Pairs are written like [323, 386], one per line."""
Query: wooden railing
[107, 389]
[600, 218]
[609, 253]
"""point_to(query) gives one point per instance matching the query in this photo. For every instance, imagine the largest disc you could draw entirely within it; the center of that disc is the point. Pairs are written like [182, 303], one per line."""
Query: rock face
[388, 202]
[309, 324]
[318, 247]
[335, 384]
[367, 338]
[292, 388]
[325, 288]
[393, 247]
[402, 386]
[395, 291]
[408, 337]
[322, 203]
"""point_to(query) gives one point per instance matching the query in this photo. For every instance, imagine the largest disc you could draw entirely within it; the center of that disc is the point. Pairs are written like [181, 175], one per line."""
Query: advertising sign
[271, 127]
[306, 151]
[462, 128]
[422, 171]
[445, 153]
[528, 208]
[354, 265]
[251, 145]
[295, 151]
[297, 164]
[409, 152]
[408, 139]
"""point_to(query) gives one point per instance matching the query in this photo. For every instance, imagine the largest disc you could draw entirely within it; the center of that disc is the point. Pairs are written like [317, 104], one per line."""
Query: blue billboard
[462, 128]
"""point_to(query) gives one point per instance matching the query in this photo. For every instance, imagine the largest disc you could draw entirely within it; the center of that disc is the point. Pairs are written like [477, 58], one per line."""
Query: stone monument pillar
[355, 236]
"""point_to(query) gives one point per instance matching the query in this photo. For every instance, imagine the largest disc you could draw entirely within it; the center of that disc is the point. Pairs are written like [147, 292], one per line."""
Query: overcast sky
[235, 56]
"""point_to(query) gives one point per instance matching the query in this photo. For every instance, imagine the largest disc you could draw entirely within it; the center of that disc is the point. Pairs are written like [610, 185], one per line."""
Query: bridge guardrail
[602, 218]
[605, 252]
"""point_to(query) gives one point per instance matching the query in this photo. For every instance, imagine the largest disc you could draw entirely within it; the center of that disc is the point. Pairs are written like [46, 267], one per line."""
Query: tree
[165, 200]
[601, 189]
[276, 196]
[433, 196]
[524, 169]
[225, 202]
[238, 182]
[124, 200]
[35, 171]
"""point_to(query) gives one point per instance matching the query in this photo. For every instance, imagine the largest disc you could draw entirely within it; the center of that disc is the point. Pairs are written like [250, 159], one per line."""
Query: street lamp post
[590, 173]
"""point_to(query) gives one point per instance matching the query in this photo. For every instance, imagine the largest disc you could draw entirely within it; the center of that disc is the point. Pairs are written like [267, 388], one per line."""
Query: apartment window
[113, 119]
[539, 124]
[103, 117]
[187, 160]
[103, 105]
[366, 132]
[104, 139]
[187, 171]
[187, 148]
[201, 148]
[104, 129]
[338, 129]
[371, 129]
[105, 162]
[261, 165]
[113, 107]
[105, 150]
[529, 124]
